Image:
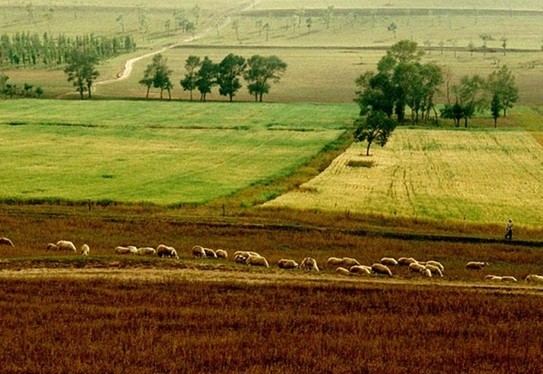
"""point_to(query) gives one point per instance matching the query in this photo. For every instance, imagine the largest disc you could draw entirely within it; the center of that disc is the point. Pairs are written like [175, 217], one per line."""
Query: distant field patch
[164, 153]
[478, 176]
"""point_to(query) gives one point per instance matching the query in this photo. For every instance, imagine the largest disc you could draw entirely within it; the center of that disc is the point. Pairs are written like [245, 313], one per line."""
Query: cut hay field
[163, 153]
[471, 176]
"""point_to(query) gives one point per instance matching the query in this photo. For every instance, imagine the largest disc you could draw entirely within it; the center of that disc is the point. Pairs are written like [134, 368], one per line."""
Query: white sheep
[509, 278]
[534, 278]
[406, 261]
[285, 263]
[436, 263]
[66, 245]
[360, 269]
[476, 265]
[198, 251]
[51, 246]
[381, 269]
[416, 267]
[426, 273]
[240, 258]
[221, 253]
[6, 241]
[389, 261]
[435, 270]
[309, 263]
[166, 251]
[85, 250]
[341, 270]
[123, 250]
[493, 278]
[246, 253]
[347, 262]
[210, 253]
[257, 261]
[334, 261]
[146, 251]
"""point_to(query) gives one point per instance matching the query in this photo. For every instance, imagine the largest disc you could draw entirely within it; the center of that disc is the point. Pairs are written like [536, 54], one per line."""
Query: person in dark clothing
[509, 230]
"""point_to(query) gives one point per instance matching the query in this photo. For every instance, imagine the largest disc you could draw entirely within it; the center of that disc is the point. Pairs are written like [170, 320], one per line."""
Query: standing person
[509, 230]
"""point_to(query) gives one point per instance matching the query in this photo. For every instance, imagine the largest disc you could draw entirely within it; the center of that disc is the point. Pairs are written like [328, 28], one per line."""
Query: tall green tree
[502, 83]
[81, 70]
[471, 95]
[376, 127]
[261, 71]
[229, 72]
[206, 77]
[192, 64]
[157, 74]
[495, 108]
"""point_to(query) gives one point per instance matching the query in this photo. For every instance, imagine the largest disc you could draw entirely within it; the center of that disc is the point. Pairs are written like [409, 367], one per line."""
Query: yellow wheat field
[480, 176]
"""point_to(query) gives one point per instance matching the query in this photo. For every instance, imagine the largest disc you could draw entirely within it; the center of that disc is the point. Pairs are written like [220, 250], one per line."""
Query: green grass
[163, 153]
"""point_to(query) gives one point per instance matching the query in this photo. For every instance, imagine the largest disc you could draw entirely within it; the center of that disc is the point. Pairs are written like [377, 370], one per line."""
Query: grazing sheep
[240, 259]
[309, 263]
[287, 264]
[436, 263]
[493, 278]
[221, 253]
[334, 261]
[509, 278]
[123, 250]
[6, 241]
[534, 278]
[257, 261]
[51, 246]
[85, 250]
[66, 245]
[406, 261]
[435, 270]
[146, 251]
[426, 273]
[166, 251]
[347, 262]
[246, 253]
[343, 271]
[416, 267]
[198, 251]
[381, 269]
[476, 265]
[210, 253]
[389, 261]
[360, 269]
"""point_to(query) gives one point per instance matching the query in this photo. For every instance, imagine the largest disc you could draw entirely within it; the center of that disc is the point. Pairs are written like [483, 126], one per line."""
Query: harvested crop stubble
[434, 174]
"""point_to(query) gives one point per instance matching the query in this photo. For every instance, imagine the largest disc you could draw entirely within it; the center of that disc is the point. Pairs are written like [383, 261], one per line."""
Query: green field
[165, 153]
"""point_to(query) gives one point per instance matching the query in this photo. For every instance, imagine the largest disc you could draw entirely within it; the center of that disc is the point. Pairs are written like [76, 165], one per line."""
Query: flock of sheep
[343, 266]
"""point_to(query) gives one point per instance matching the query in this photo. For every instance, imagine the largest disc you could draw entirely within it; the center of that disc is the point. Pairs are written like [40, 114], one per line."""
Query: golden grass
[465, 176]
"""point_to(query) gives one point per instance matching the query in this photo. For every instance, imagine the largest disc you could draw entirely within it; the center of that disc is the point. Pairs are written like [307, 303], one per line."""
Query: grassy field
[473, 176]
[165, 153]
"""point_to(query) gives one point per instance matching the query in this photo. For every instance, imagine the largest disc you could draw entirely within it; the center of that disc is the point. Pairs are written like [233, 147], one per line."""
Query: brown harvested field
[52, 325]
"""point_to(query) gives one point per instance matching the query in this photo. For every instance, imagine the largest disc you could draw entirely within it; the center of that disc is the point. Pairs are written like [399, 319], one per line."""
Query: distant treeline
[25, 49]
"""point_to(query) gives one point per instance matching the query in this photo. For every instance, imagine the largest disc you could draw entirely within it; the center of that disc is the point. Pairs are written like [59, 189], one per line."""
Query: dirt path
[126, 71]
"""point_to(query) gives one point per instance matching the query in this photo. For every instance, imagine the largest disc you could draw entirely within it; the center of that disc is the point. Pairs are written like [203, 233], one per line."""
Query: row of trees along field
[25, 49]
[204, 74]
[402, 82]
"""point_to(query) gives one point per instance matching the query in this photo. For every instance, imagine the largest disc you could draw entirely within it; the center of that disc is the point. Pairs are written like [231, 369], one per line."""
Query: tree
[502, 83]
[377, 126]
[260, 71]
[188, 83]
[454, 112]
[495, 107]
[471, 95]
[228, 72]
[393, 27]
[206, 77]
[157, 74]
[81, 70]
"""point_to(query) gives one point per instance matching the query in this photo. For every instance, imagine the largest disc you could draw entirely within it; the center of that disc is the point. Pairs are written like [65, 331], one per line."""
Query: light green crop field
[163, 153]
[472, 176]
